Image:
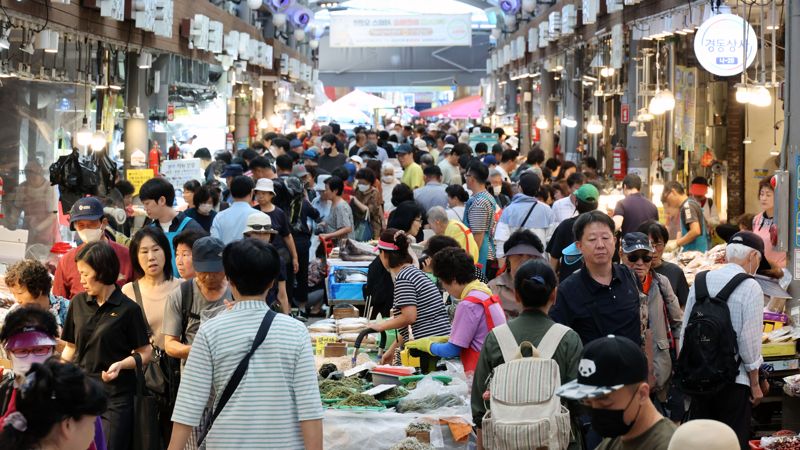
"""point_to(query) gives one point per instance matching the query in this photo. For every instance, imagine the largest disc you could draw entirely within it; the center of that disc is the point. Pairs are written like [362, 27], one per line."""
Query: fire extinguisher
[155, 158]
[253, 129]
[619, 162]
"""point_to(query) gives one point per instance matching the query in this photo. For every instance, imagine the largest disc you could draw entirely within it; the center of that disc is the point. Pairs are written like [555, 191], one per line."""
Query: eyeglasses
[261, 227]
[36, 351]
[636, 258]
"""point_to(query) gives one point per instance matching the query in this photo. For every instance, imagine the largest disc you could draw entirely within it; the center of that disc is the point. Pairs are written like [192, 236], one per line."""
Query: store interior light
[594, 126]
[607, 72]
[775, 151]
[569, 122]
[742, 93]
[640, 131]
[98, 141]
[145, 60]
[52, 42]
[84, 134]
[760, 97]
[300, 35]
[276, 121]
[747, 140]
[656, 108]
[667, 99]
[263, 124]
[542, 123]
[656, 189]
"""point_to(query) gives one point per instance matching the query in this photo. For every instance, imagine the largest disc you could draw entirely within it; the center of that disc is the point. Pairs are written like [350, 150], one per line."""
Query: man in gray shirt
[197, 300]
[433, 193]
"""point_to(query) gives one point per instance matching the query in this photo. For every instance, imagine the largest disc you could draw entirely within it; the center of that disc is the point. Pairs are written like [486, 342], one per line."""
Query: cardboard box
[779, 349]
[782, 364]
[334, 349]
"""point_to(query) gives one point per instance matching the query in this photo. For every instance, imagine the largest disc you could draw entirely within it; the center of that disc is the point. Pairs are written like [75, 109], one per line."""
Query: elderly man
[732, 403]
[442, 225]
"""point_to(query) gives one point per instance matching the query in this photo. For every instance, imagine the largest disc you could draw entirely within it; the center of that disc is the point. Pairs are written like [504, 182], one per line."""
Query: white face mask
[23, 365]
[90, 235]
[497, 189]
[388, 179]
[205, 208]
[363, 187]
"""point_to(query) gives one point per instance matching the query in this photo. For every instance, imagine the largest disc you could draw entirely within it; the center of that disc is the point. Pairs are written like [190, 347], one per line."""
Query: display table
[339, 293]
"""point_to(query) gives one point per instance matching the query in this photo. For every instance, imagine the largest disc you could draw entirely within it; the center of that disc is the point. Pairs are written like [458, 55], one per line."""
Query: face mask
[327, 150]
[388, 179]
[610, 423]
[90, 235]
[205, 208]
[363, 187]
[497, 189]
[23, 365]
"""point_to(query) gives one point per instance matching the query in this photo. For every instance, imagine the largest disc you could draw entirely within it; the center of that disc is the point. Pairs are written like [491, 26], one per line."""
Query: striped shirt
[479, 217]
[278, 390]
[413, 288]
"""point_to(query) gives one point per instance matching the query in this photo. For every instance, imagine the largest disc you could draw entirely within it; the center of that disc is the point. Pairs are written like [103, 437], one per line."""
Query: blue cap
[571, 254]
[295, 143]
[232, 170]
[310, 153]
[488, 160]
[351, 169]
[450, 139]
[403, 149]
[86, 208]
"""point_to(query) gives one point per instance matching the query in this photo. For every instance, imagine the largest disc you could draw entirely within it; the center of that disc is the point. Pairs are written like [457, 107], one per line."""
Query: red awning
[465, 108]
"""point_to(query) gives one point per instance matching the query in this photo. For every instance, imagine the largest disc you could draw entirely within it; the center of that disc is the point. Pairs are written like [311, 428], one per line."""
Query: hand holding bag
[146, 429]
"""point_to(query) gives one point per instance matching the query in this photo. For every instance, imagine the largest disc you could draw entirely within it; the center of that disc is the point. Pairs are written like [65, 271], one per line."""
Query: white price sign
[179, 171]
[725, 45]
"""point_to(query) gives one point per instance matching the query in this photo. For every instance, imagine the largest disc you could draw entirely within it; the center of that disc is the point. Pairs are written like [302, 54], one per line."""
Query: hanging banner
[432, 30]
[725, 45]
[179, 171]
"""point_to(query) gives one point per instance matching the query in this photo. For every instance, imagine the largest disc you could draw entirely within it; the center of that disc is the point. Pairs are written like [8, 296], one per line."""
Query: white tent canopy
[330, 111]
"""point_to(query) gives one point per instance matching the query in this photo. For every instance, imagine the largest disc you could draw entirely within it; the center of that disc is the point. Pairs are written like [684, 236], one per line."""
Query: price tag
[322, 342]
[379, 389]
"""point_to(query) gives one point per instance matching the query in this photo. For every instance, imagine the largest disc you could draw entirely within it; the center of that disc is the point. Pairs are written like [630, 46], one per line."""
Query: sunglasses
[636, 258]
[261, 227]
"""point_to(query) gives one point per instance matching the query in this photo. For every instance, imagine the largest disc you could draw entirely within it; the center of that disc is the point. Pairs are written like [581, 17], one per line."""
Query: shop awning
[364, 102]
[330, 111]
[465, 108]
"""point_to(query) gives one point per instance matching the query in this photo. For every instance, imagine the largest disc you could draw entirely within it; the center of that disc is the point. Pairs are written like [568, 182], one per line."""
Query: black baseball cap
[207, 254]
[86, 208]
[607, 364]
[754, 241]
[403, 149]
[632, 242]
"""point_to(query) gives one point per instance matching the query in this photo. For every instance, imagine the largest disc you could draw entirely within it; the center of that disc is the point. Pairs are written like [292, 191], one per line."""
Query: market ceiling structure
[422, 66]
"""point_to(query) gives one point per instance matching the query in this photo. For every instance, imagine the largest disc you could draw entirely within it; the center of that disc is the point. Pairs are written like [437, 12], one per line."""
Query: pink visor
[383, 245]
[26, 339]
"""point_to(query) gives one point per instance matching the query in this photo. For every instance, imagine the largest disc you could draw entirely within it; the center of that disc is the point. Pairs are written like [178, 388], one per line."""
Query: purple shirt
[469, 328]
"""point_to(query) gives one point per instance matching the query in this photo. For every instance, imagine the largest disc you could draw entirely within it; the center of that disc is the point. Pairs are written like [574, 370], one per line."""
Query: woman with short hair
[103, 329]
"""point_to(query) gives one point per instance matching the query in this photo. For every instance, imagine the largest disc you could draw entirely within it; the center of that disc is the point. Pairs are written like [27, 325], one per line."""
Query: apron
[170, 236]
[700, 243]
[469, 357]
[487, 244]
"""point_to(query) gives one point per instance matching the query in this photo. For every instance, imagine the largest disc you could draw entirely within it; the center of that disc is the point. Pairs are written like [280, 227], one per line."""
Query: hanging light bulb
[747, 140]
[667, 99]
[594, 126]
[263, 124]
[760, 97]
[607, 72]
[569, 122]
[656, 108]
[276, 121]
[314, 44]
[254, 4]
[541, 123]
[84, 134]
[300, 35]
[644, 116]
[98, 141]
[742, 93]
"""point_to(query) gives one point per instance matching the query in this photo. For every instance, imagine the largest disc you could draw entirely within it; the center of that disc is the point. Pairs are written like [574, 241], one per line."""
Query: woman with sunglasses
[664, 315]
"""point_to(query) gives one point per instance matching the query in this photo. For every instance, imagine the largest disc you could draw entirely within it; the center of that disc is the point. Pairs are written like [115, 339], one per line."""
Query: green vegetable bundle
[429, 403]
[338, 392]
[360, 400]
[394, 393]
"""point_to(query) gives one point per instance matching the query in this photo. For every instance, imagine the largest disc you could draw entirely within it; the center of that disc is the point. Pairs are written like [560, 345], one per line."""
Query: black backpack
[709, 360]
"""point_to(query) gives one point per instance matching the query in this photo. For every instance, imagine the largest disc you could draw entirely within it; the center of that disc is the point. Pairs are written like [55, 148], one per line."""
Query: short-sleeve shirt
[412, 176]
[413, 288]
[104, 334]
[635, 210]
[691, 212]
[480, 218]
[67, 282]
[656, 438]
[470, 326]
[563, 237]
[280, 223]
[341, 216]
[200, 307]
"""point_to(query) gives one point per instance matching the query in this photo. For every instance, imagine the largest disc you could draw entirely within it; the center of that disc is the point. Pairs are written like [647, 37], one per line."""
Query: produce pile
[394, 393]
[418, 427]
[429, 403]
[354, 384]
[411, 444]
[781, 442]
[360, 400]
[693, 262]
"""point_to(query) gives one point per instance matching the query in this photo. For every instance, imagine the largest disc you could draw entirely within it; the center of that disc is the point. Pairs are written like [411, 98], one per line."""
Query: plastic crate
[345, 291]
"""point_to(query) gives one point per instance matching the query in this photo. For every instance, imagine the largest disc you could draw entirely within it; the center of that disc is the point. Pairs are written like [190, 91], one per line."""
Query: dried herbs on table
[410, 444]
[394, 393]
[354, 384]
[429, 403]
[360, 400]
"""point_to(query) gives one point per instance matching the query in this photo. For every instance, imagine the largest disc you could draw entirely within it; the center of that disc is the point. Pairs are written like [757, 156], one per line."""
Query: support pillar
[525, 119]
[135, 100]
[548, 109]
[574, 106]
[268, 102]
[241, 134]
[791, 142]
[638, 148]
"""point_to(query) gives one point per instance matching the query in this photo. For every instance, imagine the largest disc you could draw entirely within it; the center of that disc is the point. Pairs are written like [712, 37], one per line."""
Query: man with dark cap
[612, 382]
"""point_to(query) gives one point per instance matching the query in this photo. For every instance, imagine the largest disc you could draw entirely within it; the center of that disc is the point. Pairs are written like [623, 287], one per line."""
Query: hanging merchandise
[619, 164]
[707, 159]
[76, 177]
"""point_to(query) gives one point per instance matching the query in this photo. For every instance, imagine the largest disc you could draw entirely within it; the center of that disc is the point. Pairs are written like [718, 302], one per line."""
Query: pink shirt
[761, 226]
[469, 327]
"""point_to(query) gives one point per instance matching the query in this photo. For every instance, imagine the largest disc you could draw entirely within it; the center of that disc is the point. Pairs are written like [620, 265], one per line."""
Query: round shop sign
[668, 164]
[725, 45]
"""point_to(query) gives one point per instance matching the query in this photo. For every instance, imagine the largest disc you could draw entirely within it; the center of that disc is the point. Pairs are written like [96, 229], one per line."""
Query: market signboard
[179, 171]
[137, 177]
[431, 30]
[725, 45]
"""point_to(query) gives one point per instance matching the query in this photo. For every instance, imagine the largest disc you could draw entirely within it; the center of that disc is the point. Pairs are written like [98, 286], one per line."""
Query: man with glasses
[663, 311]
[677, 279]
[693, 235]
